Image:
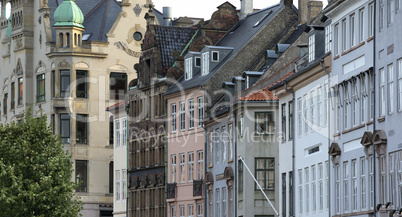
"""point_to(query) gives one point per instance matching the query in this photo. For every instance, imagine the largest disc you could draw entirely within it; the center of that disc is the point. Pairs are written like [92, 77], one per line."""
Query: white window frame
[345, 106]
[190, 210]
[328, 35]
[344, 35]
[224, 138]
[363, 190]
[390, 13]
[205, 63]
[390, 97]
[188, 68]
[200, 164]
[337, 189]
[326, 105]
[381, 14]
[305, 114]
[363, 96]
[200, 105]
[354, 185]
[182, 116]
[311, 48]
[174, 118]
[173, 161]
[382, 92]
[199, 209]
[320, 187]
[371, 20]
[300, 191]
[173, 211]
[354, 103]
[230, 142]
[217, 144]
[312, 108]
[336, 39]
[361, 25]
[319, 95]
[327, 187]
[124, 129]
[307, 189]
[217, 203]
[210, 148]
[191, 114]
[117, 131]
[190, 166]
[346, 186]
[217, 56]
[124, 185]
[182, 166]
[371, 181]
[117, 185]
[299, 116]
[182, 211]
[352, 32]
[314, 188]
[399, 85]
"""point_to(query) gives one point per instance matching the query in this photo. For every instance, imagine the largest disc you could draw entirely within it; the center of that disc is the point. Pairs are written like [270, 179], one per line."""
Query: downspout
[374, 106]
[329, 133]
[293, 146]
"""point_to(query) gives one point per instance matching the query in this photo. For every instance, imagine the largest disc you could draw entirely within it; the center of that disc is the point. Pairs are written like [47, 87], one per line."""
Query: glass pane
[271, 164]
[260, 164]
[81, 175]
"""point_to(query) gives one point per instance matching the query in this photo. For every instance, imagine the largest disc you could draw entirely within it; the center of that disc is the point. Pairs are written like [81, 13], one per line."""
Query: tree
[35, 171]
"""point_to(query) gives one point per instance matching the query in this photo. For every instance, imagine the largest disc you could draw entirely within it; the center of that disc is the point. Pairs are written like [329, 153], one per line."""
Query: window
[173, 168]
[314, 188]
[354, 185]
[265, 173]
[312, 110]
[117, 133]
[231, 202]
[328, 38]
[305, 116]
[240, 124]
[363, 183]
[363, 97]
[319, 94]
[391, 179]
[382, 92]
[400, 84]
[371, 180]
[64, 83]
[117, 190]
[65, 128]
[124, 129]
[283, 111]
[336, 39]
[290, 119]
[337, 109]
[230, 143]
[197, 61]
[241, 176]
[327, 182]
[211, 204]
[174, 117]
[307, 189]
[344, 34]
[397, 5]
[291, 194]
[345, 187]
[200, 110]
[20, 90]
[371, 20]
[199, 209]
[224, 202]
[118, 85]
[191, 111]
[215, 56]
[217, 203]
[345, 106]
[299, 116]
[381, 15]
[390, 16]
[82, 84]
[40, 88]
[182, 213]
[354, 103]
[311, 48]
[224, 143]
[182, 116]
[190, 210]
[81, 172]
[371, 107]
[217, 148]
[124, 185]
[182, 167]
[382, 181]
[200, 164]
[111, 130]
[300, 187]
[188, 68]
[264, 123]
[337, 189]
[190, 166]
[205, 64]
[320, 187]
[173, 211]
[82, 129]
[361, 25]
[390, 69]
[111, 181]
[210, 149]
[283, 194]
[352, 30]
[12, 95]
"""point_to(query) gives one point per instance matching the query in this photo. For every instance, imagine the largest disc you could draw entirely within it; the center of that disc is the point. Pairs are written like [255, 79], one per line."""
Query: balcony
[171, 190]
[197, 187]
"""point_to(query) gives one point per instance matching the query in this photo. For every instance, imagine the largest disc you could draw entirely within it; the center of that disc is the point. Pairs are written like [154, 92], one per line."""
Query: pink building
[185, 153]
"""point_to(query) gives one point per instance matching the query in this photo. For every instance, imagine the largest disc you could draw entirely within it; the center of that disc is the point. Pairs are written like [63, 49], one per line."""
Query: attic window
[188, 68]
[262, 19]
[311, 48]
[85, 37]
[197, 61]
[215, 56]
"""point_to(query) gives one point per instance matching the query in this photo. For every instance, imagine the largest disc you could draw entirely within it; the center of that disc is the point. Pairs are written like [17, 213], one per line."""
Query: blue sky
[205, 8]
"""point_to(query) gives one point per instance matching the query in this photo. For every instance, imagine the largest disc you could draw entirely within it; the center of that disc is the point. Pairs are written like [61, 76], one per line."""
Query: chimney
[246, 7]
[287, 3]
[303, 11]
[167, 16]
[314, 9]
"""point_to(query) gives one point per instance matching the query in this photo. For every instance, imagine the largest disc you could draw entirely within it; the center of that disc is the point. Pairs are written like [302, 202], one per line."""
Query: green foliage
[35, 171]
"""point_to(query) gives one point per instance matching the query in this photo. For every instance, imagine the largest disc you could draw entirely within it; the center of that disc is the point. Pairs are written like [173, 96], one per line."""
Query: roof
[158, 15]
[99, 16]
[68, 14]
[264, 94]
[172, 39]
[237, 38]
[116, 106]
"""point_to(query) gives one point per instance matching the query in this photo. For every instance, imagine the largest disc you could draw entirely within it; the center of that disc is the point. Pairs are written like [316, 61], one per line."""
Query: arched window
[67, 39]
[61, 41]
[75, 39]
[79, 39]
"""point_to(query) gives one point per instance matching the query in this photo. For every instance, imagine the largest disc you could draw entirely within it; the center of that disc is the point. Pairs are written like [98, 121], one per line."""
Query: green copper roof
[68, 14]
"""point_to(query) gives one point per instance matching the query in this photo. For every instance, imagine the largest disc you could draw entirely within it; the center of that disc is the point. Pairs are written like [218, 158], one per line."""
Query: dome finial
[69, 14]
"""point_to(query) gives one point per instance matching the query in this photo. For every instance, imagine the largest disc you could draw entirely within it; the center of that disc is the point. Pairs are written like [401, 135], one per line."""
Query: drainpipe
[374, 106]
[293, 146]
[329, 133]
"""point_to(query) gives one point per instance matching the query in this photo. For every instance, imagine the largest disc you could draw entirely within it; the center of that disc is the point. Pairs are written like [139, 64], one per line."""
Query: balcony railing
[171, 190]
[197, 188]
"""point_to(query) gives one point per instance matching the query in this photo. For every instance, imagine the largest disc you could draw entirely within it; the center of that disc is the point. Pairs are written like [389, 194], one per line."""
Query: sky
[205, 8]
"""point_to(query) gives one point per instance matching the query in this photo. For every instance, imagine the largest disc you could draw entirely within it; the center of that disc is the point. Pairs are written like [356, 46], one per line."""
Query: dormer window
[205, 64]
[311, 48]
[197, 61]
[188, 68]
[215, 56]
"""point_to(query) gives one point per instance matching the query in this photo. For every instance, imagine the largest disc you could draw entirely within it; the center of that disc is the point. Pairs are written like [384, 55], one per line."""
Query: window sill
[20, 106]
[336, 134]
[370, 123]
[353, 128]
[381, 119]
[354, 213]
[336, 57]
[41, 102]
[370, 39]
[109, 146]
[210, 166]
[353, 48]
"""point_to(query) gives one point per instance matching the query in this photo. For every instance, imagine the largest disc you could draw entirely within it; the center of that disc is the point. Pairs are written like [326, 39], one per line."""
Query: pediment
[209, 178]
[367, 138]
[228, 173]
[334, 150]
[379, 137]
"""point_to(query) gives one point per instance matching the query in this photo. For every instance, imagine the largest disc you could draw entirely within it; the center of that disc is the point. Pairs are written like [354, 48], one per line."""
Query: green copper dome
[68, 14]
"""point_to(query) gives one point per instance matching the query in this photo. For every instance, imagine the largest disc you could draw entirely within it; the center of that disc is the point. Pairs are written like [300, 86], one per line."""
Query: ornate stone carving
[64, 64]
[18, 44]
[137, 10]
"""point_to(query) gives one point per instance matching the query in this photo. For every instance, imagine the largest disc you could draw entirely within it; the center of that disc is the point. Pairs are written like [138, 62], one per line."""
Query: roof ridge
[94, 8]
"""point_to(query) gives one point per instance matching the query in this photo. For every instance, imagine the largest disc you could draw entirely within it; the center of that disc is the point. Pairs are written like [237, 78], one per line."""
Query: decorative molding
[137, 10]
[123, 46]
[64, 64]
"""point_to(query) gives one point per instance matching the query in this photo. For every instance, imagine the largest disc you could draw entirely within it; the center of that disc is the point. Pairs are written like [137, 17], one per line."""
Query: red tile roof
[264, 94]
[115, 105]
